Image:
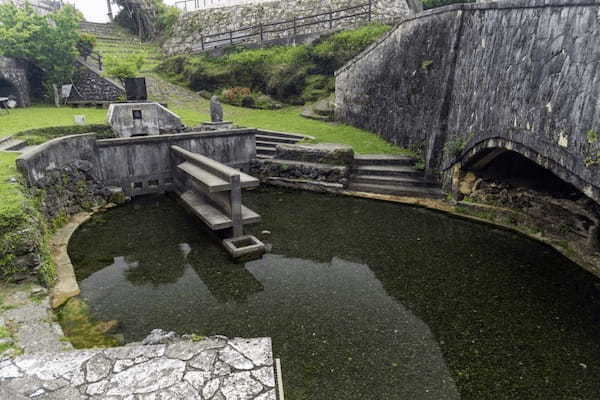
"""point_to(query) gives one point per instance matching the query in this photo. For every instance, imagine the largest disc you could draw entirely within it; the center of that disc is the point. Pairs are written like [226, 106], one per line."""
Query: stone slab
[214, 368]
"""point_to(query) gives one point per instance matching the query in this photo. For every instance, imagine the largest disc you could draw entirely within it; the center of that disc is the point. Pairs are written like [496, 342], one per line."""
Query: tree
[147, 18]
[49, 42]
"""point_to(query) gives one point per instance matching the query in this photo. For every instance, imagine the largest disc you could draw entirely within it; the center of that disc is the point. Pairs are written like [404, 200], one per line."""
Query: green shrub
[123, 67]
[334, 52]
[236, 94]
[292, 74]
[86, 44]
[245, 97]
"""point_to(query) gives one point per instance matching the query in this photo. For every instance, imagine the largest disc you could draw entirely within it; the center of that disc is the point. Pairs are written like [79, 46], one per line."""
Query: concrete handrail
[212, 166]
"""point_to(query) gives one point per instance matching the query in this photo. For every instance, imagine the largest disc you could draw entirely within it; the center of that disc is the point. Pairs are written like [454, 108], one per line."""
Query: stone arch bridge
[464, 82]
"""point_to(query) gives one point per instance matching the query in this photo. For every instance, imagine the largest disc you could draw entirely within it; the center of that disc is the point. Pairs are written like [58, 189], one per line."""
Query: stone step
[208, 182]
[214, 218]
[262, 143]
[284, 135]
[265, 150]
[406, 191]
[388, 170]
[264, 157]
[383, 159]
[391, 180]
[212, 183]
[277, 139]
[12, 144]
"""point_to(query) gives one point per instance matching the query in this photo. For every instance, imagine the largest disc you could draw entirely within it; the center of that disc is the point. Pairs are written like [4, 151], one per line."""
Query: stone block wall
[191, 26]
[13, 74]
[324, 166]
[453, 77]
[90, 85]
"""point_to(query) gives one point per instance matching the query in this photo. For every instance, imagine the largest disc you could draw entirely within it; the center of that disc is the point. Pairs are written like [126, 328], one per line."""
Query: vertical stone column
[235, 197]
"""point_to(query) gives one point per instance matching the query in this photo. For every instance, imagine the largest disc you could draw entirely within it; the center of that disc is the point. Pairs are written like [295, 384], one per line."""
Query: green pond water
[363, 299]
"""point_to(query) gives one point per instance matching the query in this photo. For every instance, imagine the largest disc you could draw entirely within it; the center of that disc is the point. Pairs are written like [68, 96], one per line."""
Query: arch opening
[9, 90]
[512, 169]
[533, 198]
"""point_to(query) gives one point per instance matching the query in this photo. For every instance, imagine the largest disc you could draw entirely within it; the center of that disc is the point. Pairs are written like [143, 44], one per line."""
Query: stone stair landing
[393, 175]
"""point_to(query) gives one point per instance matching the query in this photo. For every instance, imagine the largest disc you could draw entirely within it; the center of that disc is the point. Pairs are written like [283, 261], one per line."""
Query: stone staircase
[102, 31]
[112, 40]
[267, 141]
[12, 144]
[393, 175]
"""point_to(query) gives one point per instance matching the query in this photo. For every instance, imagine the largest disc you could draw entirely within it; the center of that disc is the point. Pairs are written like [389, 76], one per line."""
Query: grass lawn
[287, 120]
[22, 119]
[11, 197]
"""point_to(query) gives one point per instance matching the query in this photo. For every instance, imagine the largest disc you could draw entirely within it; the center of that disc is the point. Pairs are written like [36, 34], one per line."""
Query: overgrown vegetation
[48, 42]
[86, 44]
[294, 75]
[123, 67]
[456, 146]
[23, 230]
[82, 330]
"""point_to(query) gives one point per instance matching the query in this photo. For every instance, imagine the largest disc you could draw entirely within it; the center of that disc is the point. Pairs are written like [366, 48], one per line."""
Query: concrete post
[235, 198]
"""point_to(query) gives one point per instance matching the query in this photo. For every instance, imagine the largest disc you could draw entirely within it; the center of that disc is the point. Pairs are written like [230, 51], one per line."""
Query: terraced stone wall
[188, 31]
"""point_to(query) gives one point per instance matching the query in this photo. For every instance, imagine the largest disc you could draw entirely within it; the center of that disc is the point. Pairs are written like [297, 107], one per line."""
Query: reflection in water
[363, 300]
[318, 303]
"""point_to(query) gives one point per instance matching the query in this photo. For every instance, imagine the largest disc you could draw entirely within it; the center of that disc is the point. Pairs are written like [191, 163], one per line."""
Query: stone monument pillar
[216, 117]
[216, 110]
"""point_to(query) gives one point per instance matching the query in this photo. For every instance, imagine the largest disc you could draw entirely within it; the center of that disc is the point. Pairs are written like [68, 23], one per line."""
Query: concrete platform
[214, 368]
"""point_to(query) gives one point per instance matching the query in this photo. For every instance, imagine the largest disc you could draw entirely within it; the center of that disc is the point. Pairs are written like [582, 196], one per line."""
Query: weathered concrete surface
[139, 165]
[143, 164]
[520, 73]
[191, 26]
[130, 119]
[56, 153]
[215, 368]
[13, 81]
[66, 283]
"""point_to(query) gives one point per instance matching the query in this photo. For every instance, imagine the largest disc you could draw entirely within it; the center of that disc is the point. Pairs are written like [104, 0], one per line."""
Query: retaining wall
[191, 26]
[143, 164]
[138, 165]
[456, 76]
